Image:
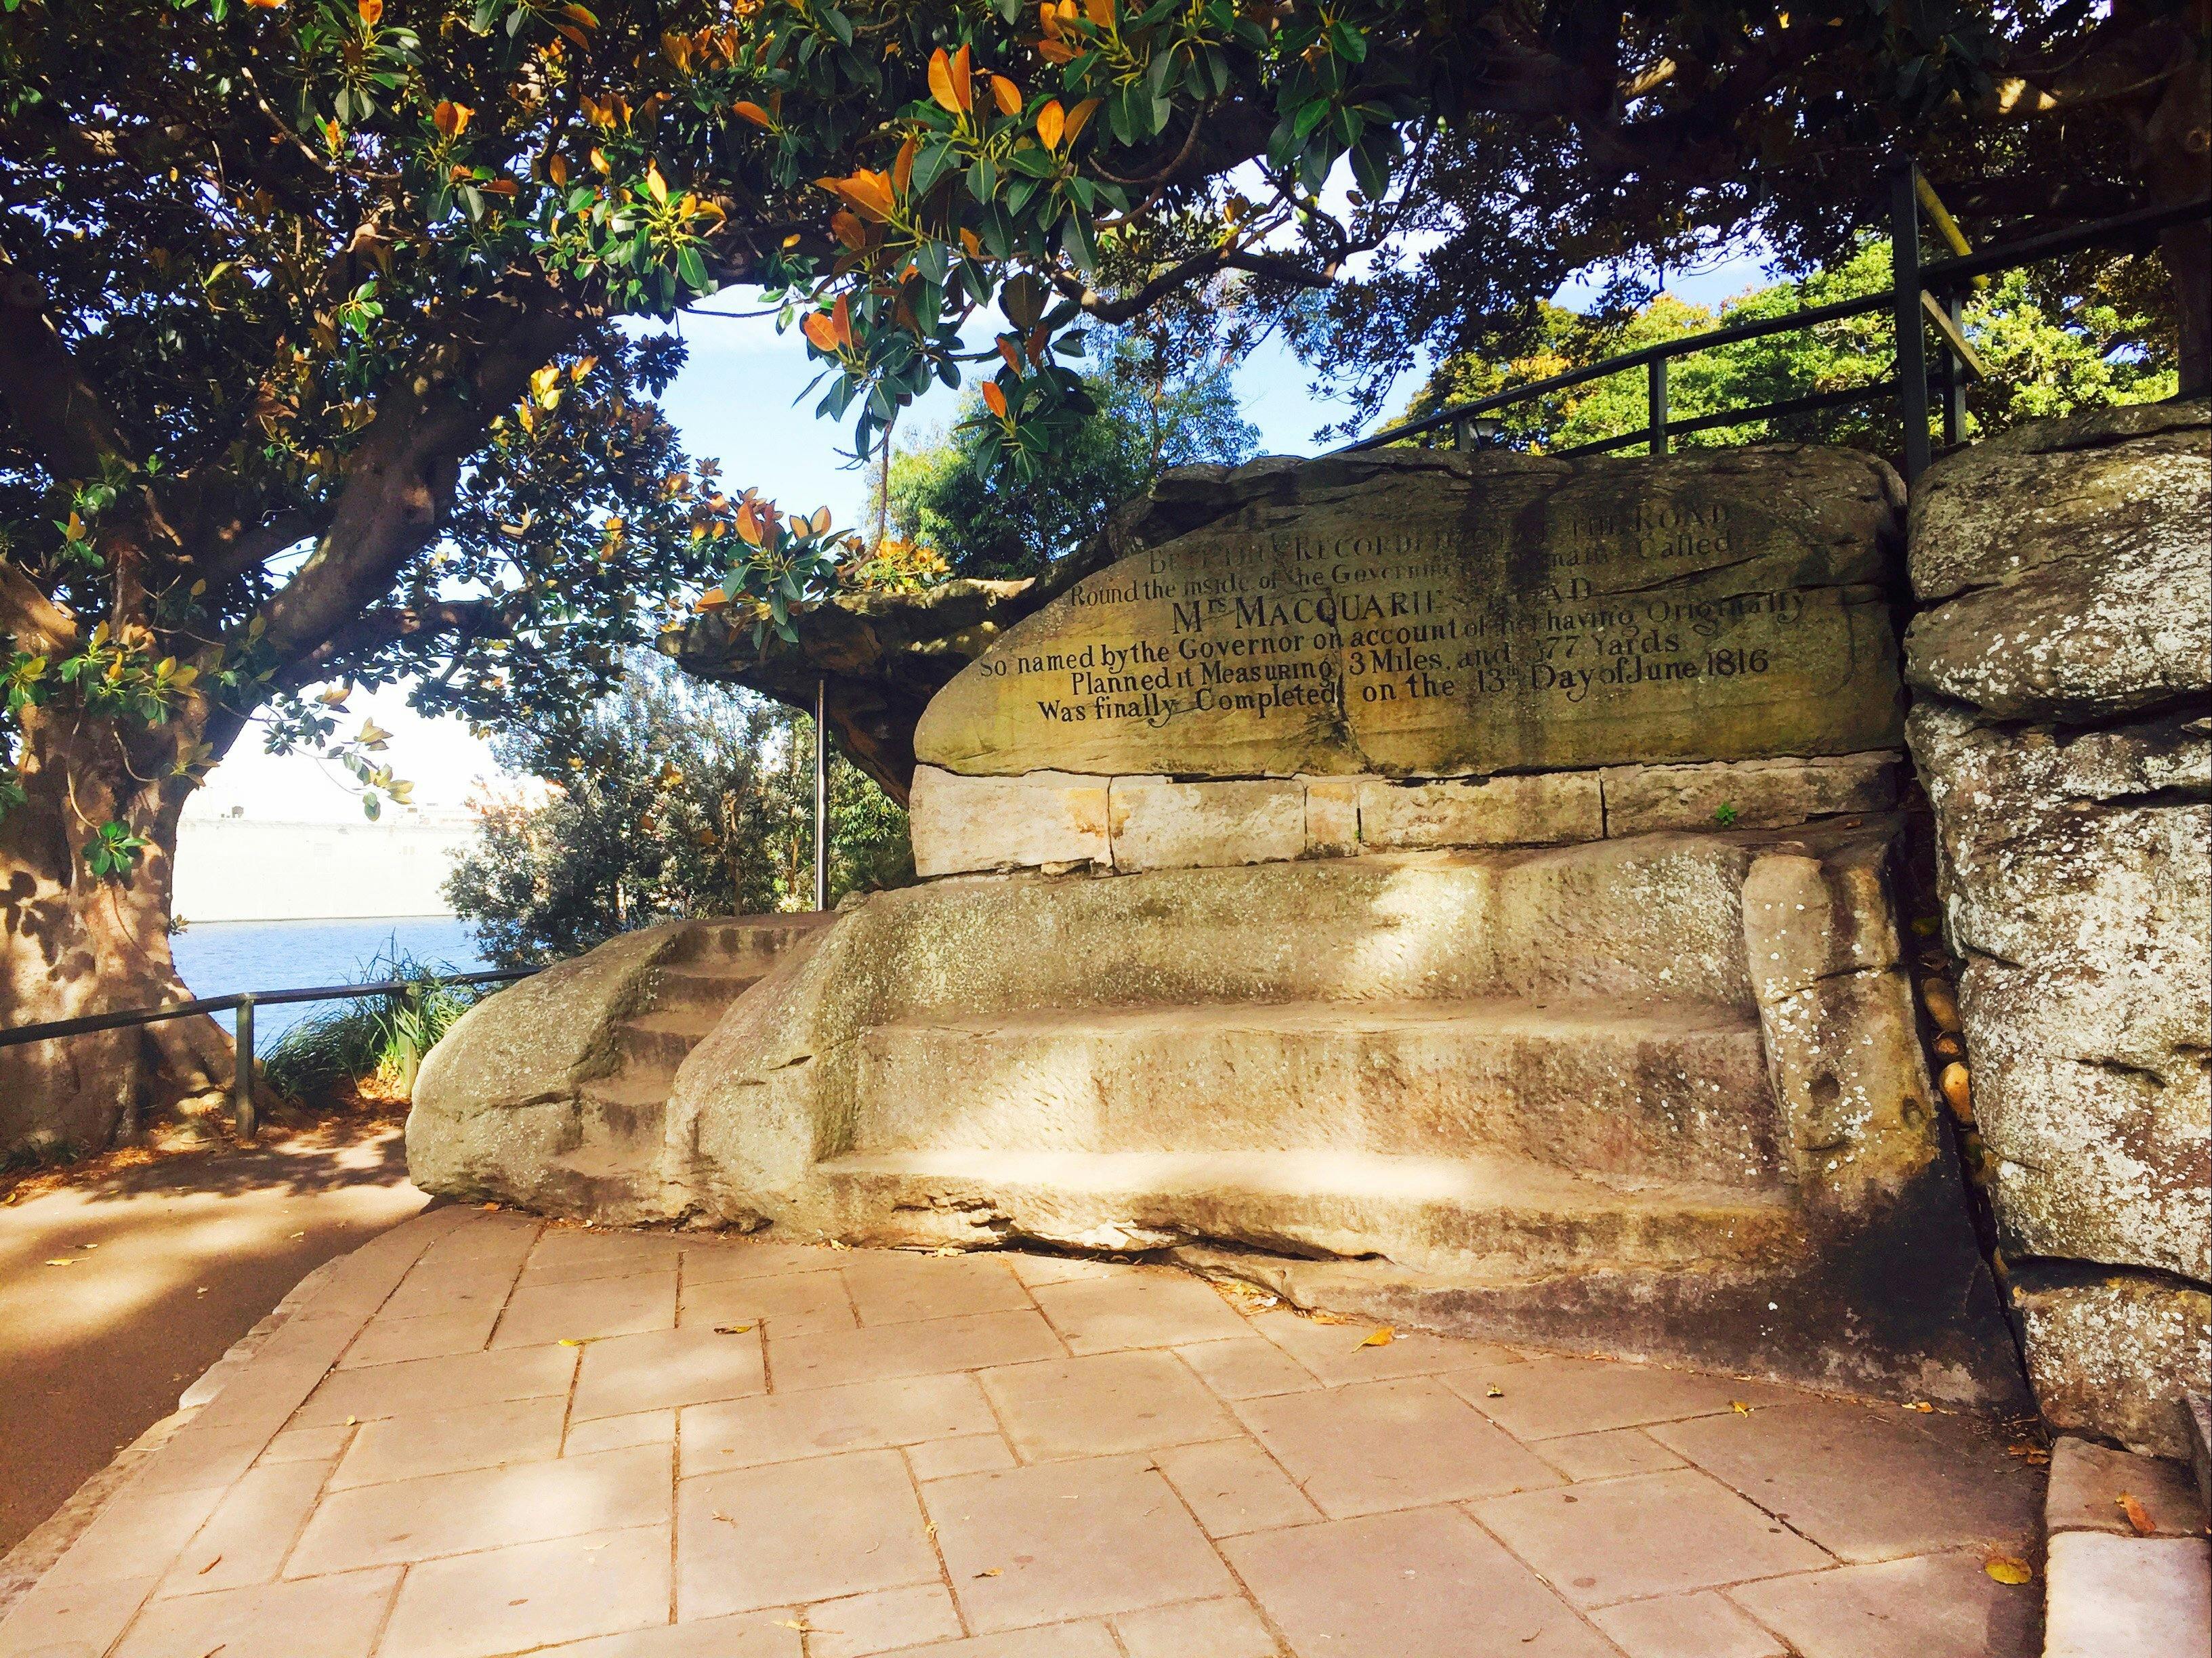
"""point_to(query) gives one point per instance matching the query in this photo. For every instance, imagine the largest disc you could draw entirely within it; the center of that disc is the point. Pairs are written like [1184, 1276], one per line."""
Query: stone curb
[24, 1565]
[2110, 1588]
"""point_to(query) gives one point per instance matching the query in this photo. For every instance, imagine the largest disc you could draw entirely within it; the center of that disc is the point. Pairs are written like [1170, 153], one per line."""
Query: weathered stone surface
[2142, 1597]
[1752, 793]
[1546, 808]
[2113, 1353]
[1429, 615]
[2081, 902]
[2067, 562]
[1161, 824]
[2087, 1481]
[1332, 816]
[1046, 819]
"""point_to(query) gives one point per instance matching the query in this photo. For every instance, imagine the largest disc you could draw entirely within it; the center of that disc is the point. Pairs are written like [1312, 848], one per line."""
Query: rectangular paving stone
[477, 1436]
[1140, 1308]
[2087, 1481]
[574, 1255]
[1034, 1269]
[792, 1304]
[309, 1444]
[861, 1416]
[251, 1531]
[1656, 1534]
[1607, 1455]
[431, 1335]
[796, 1532]
[664, 1368]
[2128, 1597]
[67, 1621]
[1084, 1640]
[1870, 1483]
[716, 1263]
[192, 1460]
[1706, 1624]
[862, 1624]
[485, 1508]
[133, 1536]
[613, 1433]
[1068, 1540]
[590, 1309]
[430, 1290]
[1249, 1368]
[1104, 1404]
[1402, 1444]
[339, 1614]
[1234, 1486]
[1928, 1606]
[1217, 1629]
[933, 1347]
[1554, 1397]
[890, 1288]
[427, 1386]
[1337, 1353]
[1423, 1583]
[503, 1601]
[770, 1633]
[941, 1459]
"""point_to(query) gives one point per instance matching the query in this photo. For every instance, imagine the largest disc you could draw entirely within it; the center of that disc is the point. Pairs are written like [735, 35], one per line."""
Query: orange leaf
[816, 326]
[963, 82]
[940, 82]
[1081, 113]
[451, 119]
[371, 11]
[994, 398]
[1100, 12]
[971, 242]
[903, 168]
[1048, 20]
[2138, 1516]
[557, 168]
[1007, 352]
[841, 320]
[1008, 94]
[749, 521]
[820, 521]
[1051, 121]
[1382, 1338]
[1056, 51]
[2005, 1570]
[847, 229]
[599, 162]
[264, 5]
[655, 185]
[713, 599]
[753, 113]
[870, 193]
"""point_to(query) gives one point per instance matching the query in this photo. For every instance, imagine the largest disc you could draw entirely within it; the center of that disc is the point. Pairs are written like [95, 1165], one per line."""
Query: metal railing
[1924, 294]
[244, 1002]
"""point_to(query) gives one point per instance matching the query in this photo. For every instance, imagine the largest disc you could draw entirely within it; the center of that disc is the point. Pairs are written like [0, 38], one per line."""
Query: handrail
[1939, 277]
[245, 1001]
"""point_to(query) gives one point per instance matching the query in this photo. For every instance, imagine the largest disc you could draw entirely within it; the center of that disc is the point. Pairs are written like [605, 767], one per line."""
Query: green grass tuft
[378, 1038]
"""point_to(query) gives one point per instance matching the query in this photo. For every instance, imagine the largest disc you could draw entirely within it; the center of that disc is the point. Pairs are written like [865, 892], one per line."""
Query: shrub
[378, 1040]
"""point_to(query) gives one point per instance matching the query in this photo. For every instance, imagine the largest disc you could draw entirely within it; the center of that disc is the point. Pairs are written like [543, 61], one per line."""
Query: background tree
[1150, 410]
[2087, 349]
[668, 798]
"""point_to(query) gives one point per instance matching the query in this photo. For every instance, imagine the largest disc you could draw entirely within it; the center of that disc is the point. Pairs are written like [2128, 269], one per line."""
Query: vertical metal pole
[821, 796]
[1954, 380]
[1463, 435]
[241, 1075]
[1657, 393]
[1911, 330]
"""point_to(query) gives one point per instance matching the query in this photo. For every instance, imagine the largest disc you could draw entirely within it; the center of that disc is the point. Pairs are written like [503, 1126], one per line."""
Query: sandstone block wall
[2063, 727]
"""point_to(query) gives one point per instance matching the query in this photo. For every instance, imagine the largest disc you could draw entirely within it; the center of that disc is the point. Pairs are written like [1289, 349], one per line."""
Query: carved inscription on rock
[1437, 617]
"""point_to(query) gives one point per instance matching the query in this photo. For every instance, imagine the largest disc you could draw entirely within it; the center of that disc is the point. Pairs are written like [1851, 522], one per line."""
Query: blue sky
[735, 401]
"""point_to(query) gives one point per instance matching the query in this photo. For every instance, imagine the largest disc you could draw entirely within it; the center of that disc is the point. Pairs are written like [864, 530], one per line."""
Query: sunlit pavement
[185, 1254]
[479, 1435]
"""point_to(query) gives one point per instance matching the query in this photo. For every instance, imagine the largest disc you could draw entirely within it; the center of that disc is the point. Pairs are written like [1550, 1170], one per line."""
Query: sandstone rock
[2067, 560]
[1544, 809]
[1332, 816]
[1046, 819]
[1160, 824]
[1753, 793]
[1415, 613]
[2113, 1353]
[2082, 901]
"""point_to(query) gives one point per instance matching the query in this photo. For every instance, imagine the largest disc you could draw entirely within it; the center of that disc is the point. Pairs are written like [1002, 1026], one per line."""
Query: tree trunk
[2177, 154]
[73, 944]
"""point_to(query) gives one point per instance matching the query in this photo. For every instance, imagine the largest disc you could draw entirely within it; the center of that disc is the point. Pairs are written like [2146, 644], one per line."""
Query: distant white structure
[237, 868]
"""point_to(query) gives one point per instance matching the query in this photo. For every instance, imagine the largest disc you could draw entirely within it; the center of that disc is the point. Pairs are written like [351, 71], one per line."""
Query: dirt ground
[169, 1259]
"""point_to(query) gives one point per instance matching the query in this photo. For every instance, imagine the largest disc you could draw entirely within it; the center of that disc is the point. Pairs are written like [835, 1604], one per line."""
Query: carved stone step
[663, 1039]
[698, 989]
[1663, 1091]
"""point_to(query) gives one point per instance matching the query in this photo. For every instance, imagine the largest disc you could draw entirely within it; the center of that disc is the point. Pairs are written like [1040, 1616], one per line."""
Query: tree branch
[57, 414]
[34, 621]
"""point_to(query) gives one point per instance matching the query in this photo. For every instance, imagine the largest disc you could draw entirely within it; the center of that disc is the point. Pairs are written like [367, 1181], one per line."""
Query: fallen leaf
[353, 1422]
[1495, 1392]
[725, 1519]
[1382, 1338]
[570, 1341]
[1327, 1318]
[799, 1624]
[988, 1571]
[489, 1207]
[2006, 1569]
[732, 1329]
[1923, 1406]
[210, 1566]
[61, 1260]
[1740, 1406]
[2138, 1516]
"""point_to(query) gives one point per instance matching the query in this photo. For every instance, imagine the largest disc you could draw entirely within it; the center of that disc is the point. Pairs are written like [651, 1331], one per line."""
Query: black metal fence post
[241, 1075]
[1954, 379]
[1656, 395]
[1911, 332]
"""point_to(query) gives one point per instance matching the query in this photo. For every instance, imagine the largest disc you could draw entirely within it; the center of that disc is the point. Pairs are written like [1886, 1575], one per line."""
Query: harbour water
[217, 957]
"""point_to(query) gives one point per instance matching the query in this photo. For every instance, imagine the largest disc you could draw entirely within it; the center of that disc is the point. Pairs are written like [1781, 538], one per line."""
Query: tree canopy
[1144, 417]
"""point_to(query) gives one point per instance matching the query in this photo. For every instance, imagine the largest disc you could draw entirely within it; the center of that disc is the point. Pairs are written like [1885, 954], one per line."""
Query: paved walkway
[479, 1436]
[169, 1262]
